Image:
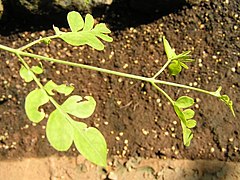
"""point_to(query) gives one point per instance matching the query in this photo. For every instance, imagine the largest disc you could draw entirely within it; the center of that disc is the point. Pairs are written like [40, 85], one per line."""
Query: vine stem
[132, 76]
[36, 42]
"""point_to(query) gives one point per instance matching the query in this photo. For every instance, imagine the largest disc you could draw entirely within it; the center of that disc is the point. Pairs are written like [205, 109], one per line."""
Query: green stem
[132, 76]
[36, 42]
[163, 92]
[162, 69]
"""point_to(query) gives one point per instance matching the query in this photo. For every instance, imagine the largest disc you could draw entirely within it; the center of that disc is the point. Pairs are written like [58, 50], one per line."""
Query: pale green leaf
[26, 74]
[74, 38]
[188, 113]
[57, 31]
[37, 69]
[101, 28]
[105, 37]
[228, 102]
[175, 68]
[191, 123]
[75, 21]
[91, 144]
[179, 114]
[187, 136]
[63, 88]
[79, 107]
[89, 22]
[184, 102]
[183, 65]
[169, 51]
[59, 131]
[34, 100]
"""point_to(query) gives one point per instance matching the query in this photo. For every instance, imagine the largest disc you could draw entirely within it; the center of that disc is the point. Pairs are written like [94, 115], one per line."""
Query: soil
[135, 119]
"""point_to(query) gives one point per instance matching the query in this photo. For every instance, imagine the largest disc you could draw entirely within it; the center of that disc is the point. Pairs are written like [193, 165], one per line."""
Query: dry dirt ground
[135, 119]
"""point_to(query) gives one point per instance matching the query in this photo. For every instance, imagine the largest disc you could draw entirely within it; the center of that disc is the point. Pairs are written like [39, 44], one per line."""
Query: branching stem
[132, 76]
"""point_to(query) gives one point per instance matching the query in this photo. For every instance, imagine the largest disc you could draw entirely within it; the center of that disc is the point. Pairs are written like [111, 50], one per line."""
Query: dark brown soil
[132, 110]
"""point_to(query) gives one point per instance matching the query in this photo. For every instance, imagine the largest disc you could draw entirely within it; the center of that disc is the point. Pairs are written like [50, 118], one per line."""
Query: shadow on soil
[119, 15]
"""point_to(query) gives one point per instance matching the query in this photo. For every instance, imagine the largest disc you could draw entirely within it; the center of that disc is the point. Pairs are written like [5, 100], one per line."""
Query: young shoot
[61, 129]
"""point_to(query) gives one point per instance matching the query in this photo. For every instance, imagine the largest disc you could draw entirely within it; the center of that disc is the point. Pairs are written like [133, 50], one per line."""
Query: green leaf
[37, 69]
[91, 144]
[179, 114]
[187, 136]
[184, 102]
[191, 123]
[79, 107]
[105, 37]
[26, 74]
[59, 131]
[63, 88]
[75, 21]
[57, 31]
[175, 68]
[34, 100]
[46, 40]
[169, 51]
[183, 65]
[228, 102]
[102, 28]
[89, 22]
[88, 35]
[188, 113]
[81, 38]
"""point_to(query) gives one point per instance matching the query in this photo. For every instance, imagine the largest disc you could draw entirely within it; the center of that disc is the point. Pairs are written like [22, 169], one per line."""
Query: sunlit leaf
[228, 102]
[179, 114]
[34, 100]
[191, 123]
[184, 102]
[187, 136]
[183, 65]
[26, 74]
[63, 88]
[188, 113]
[75, 21]
[175, 68]
[56, 29]
[79, 107]
[59, 131]
[102, 28]
[89, 22]
[74, 38]
[169, 51]
[37, 69]
[91, 144]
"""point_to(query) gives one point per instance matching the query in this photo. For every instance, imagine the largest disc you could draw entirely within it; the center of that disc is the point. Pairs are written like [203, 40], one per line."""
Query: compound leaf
[34, 100]
[88, 35]
[59, 131]
[26, 74]
[63, 88]
[79, 107]
[184, 102]
[91, 144]
[75, 21]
